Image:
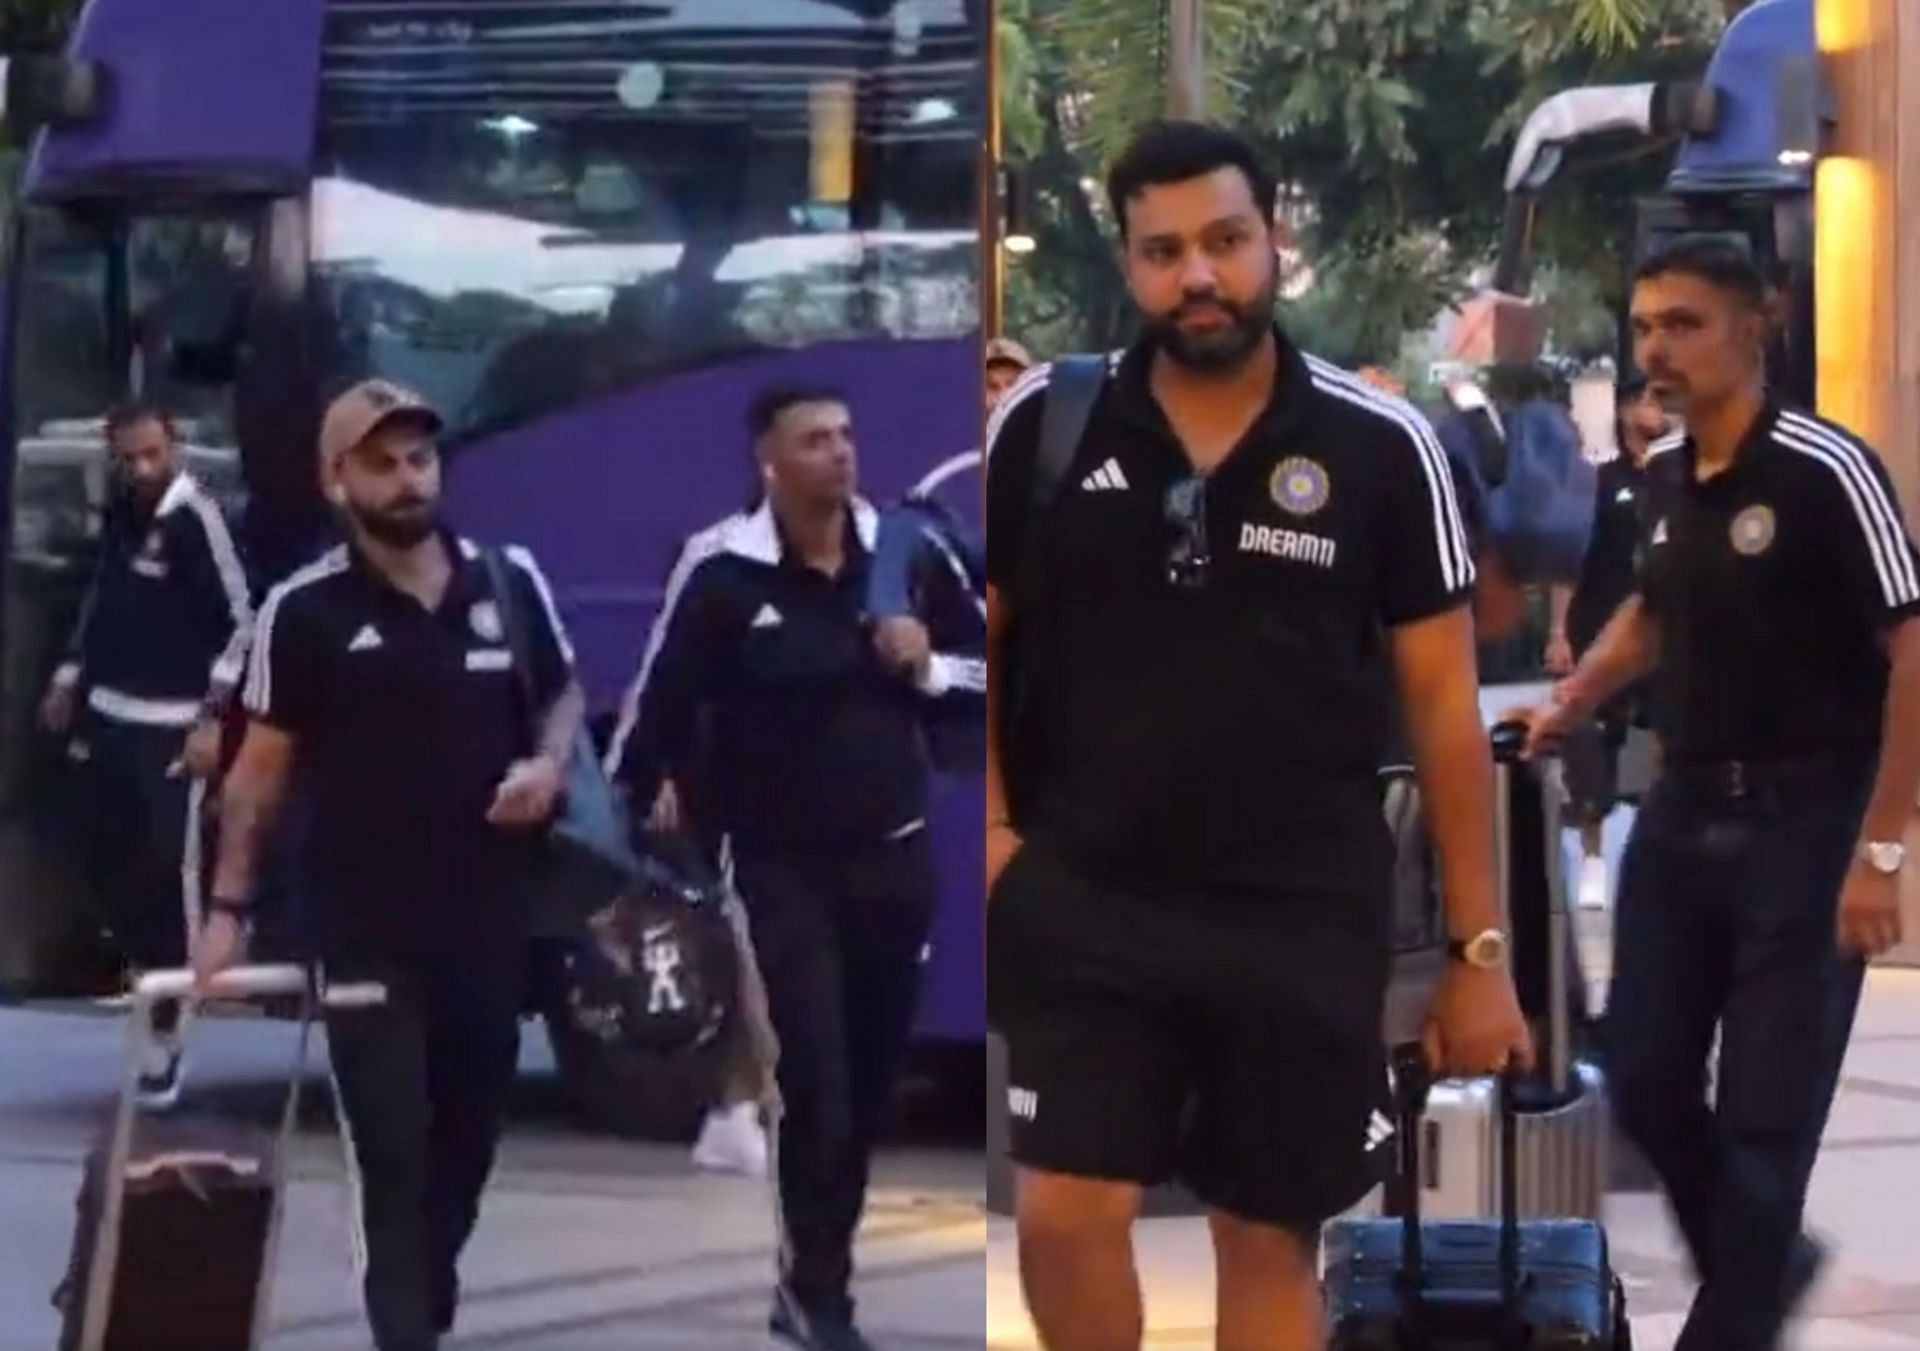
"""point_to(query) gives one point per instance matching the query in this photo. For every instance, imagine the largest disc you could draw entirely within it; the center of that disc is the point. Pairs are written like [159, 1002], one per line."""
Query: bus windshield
[514, 217]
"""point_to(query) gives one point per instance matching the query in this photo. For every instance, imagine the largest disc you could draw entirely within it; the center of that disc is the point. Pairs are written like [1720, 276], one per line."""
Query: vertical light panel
[1852, 262]
[832, 130]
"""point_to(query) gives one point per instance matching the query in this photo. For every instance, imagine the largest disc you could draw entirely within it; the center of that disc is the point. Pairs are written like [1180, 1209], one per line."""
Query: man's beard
[396, 529]
[141, 498]
[1218, 350]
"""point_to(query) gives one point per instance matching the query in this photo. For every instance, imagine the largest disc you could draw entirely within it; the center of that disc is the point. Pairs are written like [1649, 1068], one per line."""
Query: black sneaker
[813, 1331]
[1803, 1268]
[446, 1303]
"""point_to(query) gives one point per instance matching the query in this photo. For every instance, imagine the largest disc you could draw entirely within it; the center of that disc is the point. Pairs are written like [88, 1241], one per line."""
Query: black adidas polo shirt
[406, 720]
[1224, 735]
[1772, 583]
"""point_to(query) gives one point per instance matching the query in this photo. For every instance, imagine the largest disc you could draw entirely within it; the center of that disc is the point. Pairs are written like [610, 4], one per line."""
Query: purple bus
[589, 230]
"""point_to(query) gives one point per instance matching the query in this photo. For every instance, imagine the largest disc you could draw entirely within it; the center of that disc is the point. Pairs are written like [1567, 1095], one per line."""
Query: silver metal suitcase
[1563, 1135]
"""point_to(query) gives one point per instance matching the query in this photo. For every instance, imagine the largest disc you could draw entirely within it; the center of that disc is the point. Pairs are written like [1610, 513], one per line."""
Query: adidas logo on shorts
[1379, 1130]
[1023, 1103]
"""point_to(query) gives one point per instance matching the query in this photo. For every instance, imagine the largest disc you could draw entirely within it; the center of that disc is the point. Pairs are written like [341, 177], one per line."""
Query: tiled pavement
[1864, 1200]
[584, 1244]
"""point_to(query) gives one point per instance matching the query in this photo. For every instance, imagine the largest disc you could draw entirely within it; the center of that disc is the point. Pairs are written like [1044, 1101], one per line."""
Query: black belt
[1746, 778]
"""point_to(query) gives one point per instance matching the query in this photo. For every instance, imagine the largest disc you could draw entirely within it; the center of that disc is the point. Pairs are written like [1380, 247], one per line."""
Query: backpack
[928, 564]
[1073, 388]
[1539, 487]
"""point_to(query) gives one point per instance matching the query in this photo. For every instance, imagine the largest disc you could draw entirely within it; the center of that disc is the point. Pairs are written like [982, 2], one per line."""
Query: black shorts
[1231, 1045]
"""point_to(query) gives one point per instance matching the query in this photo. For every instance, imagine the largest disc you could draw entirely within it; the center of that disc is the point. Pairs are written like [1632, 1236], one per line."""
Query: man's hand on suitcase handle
[220, 944]
[1547, 724]
[1475, 1025]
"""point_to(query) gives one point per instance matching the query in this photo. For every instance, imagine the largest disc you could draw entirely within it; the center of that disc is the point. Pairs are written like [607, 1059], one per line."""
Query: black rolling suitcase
[1450, 1285]
[178, 1216]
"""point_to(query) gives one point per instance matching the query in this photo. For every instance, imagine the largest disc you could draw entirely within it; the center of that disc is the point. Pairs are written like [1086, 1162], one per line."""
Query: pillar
[1867, 261]
[992, 260]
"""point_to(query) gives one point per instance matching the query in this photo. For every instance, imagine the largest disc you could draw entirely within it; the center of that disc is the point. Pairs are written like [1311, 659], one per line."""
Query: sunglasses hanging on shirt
[1187, 557]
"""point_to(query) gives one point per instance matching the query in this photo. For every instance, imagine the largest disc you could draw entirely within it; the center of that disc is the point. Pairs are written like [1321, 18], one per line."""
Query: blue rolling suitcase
[1450, 1285]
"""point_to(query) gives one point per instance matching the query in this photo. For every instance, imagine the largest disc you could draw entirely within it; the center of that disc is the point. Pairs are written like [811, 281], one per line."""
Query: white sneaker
[161, 1074]
[1592, 890]
[733, 1141]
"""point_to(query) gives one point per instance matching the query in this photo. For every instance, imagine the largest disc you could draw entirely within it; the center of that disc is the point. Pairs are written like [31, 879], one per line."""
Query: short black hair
[1720, 263]
[770, 403]
[1168, 151]
[136, 411]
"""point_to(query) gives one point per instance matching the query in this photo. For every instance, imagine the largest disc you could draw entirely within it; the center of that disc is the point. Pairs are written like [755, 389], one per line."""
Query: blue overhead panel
[1765, 73]
[204, 94]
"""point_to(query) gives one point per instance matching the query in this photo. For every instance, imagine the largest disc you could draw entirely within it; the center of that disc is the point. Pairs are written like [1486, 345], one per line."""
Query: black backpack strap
[513, 622]
[1074, 385]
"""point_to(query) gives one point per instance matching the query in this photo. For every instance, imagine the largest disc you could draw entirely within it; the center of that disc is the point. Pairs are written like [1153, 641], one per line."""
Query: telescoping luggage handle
[1422, 1308]
[241, 984]
[1509, 749]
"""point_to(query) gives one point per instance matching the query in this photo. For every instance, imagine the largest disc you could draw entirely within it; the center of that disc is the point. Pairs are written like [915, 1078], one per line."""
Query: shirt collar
[178, 492]
[1286, 408]
[758, 536]
[462, 554]
[1757, 436]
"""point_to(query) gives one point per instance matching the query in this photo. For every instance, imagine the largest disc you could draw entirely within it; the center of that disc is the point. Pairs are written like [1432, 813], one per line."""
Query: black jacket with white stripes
[810, 742]
[1773, 583]
[167, 617]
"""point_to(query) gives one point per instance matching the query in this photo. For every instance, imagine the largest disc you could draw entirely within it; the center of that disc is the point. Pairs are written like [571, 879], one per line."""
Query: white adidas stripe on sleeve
[1450, 536]
[1879, 520]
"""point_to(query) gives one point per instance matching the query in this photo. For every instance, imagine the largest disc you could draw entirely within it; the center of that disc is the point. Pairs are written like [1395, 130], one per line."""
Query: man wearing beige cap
[1007, 361]
[425, 688]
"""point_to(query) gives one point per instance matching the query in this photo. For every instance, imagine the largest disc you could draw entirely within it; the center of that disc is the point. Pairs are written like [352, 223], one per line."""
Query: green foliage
[1389, 120]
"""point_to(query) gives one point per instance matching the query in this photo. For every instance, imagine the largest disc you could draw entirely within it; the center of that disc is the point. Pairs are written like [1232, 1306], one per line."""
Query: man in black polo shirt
[1775, 607]
[383, 673]
[1187, 952]
[817, 775]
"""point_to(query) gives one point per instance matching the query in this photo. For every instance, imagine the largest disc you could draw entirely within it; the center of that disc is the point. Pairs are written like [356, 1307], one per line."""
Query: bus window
[64, 378]
[513, 221]
[188, 287]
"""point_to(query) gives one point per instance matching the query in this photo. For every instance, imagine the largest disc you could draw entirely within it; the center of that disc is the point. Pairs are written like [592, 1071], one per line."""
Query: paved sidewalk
[585, 1243]
[1863, 1200]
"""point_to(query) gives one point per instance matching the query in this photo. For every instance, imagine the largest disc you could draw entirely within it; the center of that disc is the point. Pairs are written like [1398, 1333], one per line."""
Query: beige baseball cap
[1009, 351]
[356, 414]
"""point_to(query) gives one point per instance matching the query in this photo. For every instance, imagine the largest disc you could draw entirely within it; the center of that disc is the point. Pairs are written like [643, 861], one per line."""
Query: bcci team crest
[1299, 486]
[485, 618]
[1753, 531]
